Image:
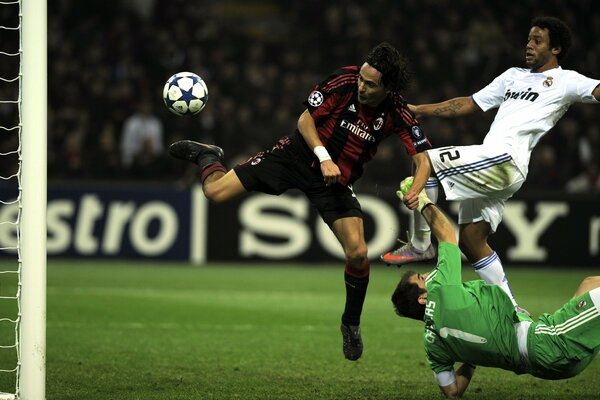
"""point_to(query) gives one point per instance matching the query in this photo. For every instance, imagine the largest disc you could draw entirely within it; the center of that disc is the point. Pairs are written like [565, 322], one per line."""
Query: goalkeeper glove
[405, 185]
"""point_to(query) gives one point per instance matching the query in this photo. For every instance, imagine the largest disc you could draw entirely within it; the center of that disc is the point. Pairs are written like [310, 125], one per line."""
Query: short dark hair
[406, 298]
[395, 74]
[558, 31]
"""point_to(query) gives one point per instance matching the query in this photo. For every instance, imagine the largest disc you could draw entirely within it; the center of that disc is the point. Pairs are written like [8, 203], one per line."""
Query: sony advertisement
[162, 222]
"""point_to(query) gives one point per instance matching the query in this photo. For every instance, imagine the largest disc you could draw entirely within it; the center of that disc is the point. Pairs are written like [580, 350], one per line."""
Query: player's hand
[411, 199]
[407, 194]
[331, 172]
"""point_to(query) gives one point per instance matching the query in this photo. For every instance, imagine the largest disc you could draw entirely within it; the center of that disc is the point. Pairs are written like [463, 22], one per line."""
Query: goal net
[23, 199]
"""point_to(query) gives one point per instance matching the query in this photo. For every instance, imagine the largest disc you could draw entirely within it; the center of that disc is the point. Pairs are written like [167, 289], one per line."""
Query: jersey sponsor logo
[378, 123]
[352, 108]
[356, 130]
[548, 82]
[416, 132]
[523, 95]
[315, 99]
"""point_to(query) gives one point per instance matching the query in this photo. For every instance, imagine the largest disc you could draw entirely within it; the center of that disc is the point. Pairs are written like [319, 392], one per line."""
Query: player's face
[539, 56]
[370, 88]
[419, 280]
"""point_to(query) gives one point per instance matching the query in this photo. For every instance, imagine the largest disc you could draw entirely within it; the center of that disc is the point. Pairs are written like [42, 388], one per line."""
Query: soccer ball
[185, 93]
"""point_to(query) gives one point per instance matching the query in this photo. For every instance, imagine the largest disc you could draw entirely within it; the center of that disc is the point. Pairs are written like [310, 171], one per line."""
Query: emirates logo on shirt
[354, 129]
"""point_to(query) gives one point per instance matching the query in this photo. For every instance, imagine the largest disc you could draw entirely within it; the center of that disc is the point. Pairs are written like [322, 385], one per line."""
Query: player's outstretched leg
[408, 253]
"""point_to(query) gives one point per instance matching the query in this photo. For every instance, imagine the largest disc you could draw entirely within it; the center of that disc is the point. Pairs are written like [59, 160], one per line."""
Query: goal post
[32, 371]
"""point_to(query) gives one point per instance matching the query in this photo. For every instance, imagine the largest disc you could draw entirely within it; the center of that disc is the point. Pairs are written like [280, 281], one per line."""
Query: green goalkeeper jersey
[470, 322]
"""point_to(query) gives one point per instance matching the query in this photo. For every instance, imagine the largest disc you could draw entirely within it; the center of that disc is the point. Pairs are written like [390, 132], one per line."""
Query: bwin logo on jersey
[524, 95]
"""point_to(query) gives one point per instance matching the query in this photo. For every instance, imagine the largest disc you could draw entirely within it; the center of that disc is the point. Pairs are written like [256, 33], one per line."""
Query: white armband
[321, 153]
[445, 378]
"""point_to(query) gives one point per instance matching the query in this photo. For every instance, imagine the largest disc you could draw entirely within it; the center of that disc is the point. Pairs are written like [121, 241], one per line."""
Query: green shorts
[562, 344]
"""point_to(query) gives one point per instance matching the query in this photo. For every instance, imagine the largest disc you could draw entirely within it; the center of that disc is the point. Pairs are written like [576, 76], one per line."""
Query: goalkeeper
[475, 323]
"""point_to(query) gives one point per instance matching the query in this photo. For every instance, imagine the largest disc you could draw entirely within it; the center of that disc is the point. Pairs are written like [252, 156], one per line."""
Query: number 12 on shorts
[451, 154]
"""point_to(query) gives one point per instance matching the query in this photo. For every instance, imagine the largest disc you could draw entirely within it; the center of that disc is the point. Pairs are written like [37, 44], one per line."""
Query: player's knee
[471, 246]
[214, 193]
[357, 255]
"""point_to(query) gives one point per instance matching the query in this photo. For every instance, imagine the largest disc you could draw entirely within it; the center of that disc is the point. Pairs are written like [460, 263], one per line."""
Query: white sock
[421, 232]
[490, 270]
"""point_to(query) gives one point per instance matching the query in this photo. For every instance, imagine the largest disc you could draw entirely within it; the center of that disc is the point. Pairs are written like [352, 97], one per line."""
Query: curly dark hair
[558, 31]
[406, 298]
[395, 73]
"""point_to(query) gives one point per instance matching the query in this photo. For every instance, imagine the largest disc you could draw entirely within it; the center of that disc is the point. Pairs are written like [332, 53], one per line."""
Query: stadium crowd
[109, 60]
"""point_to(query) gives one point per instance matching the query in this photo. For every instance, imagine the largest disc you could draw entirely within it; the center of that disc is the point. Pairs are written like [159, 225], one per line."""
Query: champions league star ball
[185, 93]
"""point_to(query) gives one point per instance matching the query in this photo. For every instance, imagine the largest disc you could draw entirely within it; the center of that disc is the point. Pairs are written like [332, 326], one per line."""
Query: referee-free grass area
[134, 330]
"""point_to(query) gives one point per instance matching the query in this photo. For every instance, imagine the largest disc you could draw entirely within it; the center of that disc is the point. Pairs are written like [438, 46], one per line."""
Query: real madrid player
[475, 323]
[346, 117]
[530, 101]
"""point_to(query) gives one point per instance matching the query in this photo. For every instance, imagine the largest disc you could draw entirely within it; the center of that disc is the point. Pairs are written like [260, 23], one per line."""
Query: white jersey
[530, 104]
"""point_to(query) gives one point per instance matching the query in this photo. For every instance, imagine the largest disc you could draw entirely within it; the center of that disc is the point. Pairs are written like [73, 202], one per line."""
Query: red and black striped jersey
[351, 131]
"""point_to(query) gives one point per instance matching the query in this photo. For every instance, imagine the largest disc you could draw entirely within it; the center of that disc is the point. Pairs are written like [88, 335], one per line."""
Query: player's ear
[556, 50]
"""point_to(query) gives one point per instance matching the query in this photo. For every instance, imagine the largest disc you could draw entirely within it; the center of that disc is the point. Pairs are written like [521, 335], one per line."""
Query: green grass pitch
[133, 330]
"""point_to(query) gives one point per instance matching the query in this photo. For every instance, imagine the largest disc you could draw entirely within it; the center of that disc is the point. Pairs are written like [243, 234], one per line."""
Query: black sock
[356, 290]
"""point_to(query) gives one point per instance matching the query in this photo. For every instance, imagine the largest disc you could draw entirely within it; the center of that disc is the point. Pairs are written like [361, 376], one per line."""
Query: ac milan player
[347, 116]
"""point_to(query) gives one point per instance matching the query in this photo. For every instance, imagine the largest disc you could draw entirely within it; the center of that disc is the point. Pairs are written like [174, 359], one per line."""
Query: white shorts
[482, 177]
[475, 210]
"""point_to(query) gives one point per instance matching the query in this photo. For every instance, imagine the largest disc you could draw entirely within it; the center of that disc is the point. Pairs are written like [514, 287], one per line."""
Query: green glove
[405, 185]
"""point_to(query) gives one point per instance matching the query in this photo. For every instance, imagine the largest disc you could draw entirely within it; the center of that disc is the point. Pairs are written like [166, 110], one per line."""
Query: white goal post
[32, 346]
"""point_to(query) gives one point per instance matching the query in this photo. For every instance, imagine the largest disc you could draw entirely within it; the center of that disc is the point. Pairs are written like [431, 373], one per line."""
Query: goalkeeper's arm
[462, 379]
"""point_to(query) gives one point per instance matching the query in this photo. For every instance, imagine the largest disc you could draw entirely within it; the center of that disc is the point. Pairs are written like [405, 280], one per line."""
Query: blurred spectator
[588, 181]
[142, 140]
[546, 172]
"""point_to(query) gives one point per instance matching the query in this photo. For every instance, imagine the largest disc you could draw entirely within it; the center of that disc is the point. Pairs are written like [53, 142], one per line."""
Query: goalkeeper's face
[419, 280]
[371, 91]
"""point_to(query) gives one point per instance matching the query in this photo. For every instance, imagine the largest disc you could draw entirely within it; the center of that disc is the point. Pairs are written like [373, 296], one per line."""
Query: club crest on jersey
[315, 99]
[378, 124]
[581, 304]
[548, 82]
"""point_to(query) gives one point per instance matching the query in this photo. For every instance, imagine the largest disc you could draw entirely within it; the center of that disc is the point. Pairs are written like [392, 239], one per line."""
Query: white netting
[10, 196]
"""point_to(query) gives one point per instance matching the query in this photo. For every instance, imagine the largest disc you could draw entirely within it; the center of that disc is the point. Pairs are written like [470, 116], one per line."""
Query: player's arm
[308, 130]
[422, 172]
[596, 93]
[462, 378]
[456, 107]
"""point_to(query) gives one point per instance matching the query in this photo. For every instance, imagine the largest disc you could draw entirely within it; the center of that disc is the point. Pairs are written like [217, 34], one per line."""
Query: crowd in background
[108, 62]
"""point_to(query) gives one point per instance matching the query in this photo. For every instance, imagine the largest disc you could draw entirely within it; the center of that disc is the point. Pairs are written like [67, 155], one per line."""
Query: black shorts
[287, 166]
